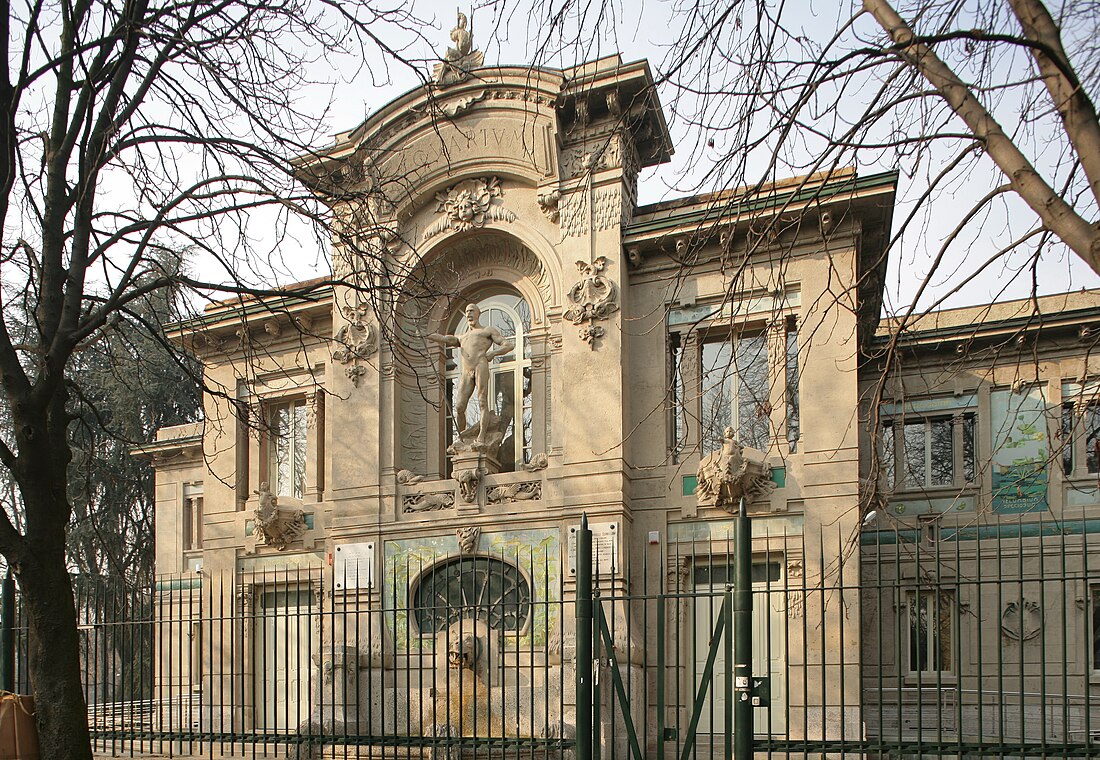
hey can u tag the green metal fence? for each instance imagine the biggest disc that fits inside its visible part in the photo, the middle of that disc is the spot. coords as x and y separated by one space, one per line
899 641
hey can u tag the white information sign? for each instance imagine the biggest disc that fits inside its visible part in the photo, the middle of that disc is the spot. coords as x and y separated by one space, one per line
353 566
605 548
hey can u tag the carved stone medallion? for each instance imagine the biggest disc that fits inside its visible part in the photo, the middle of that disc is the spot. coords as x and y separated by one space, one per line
469 204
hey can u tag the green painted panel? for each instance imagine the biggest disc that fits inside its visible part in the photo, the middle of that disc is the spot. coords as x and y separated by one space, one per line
889 537
932 506
1020 450
1021 530
691 482
779 476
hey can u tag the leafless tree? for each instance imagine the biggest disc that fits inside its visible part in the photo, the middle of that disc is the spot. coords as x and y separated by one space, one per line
129 129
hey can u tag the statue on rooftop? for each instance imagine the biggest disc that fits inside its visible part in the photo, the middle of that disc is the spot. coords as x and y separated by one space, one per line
460 59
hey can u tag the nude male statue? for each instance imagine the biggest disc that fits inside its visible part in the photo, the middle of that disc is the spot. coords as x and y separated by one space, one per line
475 351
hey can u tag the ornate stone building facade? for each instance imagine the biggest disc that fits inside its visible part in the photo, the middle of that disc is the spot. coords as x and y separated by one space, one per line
646 365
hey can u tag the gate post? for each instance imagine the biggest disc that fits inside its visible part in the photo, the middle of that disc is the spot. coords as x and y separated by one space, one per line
742 636
7 633
584 641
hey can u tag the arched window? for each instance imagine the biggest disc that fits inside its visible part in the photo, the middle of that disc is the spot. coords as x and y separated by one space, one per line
510 376
481 589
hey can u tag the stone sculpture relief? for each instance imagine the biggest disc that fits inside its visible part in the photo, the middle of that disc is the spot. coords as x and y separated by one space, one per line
726 475
468 537
460 59
538 462
453 107
427 502
356 339
505 494
277 527
469 204
478 346
548 199
408 477
592 297
796 599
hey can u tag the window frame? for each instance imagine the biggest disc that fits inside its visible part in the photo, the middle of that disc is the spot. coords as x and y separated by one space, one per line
192 517
1079 399
271 407
894 475
730 375
921 595
465 621
1094 631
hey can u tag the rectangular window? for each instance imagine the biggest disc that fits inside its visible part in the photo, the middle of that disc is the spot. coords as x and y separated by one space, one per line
794 428
929 452
1079 429
930 633
196 656
287 450
676 392
735 390
192 518
1096 628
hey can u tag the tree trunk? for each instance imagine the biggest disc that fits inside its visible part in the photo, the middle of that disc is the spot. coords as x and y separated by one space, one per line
54 660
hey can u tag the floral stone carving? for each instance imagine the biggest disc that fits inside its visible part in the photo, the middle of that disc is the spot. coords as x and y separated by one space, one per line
592 297
277 527
727 475
469 204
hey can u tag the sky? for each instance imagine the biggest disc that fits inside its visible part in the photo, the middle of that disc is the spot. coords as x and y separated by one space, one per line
517 34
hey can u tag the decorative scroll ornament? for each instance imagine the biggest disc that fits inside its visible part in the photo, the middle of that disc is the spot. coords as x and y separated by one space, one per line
277 527
468 537
460 59
592 297
469 204
727 475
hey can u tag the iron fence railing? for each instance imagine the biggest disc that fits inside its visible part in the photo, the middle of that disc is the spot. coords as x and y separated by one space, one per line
903 642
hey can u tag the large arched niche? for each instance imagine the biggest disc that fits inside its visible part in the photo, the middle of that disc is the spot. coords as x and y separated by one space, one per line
460 270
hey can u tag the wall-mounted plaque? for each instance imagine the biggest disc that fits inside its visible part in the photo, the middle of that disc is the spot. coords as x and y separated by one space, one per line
605 548
353 566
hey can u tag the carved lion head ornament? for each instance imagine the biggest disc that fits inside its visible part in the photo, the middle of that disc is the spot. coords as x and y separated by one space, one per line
463 650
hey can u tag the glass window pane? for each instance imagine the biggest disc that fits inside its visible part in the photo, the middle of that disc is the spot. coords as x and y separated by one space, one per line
969 461
793 421
942 453
918 633
716 387
1067 438
1096 628
753 388
504 400
930 621
299 449
889 462
913 439
1092 437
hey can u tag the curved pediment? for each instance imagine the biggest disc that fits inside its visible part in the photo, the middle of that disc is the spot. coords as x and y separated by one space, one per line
504 122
